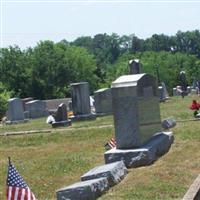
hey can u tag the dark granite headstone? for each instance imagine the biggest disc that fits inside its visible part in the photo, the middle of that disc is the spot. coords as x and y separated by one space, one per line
183 81
134 66
61 116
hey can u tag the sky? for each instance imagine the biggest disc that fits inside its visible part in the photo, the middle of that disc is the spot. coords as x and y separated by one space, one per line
26 22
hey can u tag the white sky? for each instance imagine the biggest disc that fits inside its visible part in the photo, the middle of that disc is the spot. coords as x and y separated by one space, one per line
26 23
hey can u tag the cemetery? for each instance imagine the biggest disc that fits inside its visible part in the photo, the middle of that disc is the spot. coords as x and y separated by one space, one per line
153 151
101 117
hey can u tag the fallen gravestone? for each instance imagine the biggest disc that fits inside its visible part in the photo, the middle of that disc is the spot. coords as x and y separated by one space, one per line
84 190
94 182
114 172
61 117
81 101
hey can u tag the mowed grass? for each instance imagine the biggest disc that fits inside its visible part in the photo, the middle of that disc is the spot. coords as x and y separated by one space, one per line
50 161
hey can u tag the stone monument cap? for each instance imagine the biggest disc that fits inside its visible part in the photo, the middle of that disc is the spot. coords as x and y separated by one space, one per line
127 80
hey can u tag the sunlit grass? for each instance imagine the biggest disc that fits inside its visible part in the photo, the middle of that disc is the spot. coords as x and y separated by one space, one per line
49 161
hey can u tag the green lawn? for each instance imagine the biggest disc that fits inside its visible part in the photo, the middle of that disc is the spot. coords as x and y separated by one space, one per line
50 161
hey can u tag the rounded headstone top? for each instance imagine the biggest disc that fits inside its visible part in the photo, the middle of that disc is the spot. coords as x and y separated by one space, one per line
134 60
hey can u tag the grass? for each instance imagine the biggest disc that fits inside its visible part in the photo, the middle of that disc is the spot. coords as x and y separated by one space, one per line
50 161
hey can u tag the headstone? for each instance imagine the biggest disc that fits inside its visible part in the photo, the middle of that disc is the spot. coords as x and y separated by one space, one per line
15 111
36 109
114 172
103 101
84 190
183 81
26 100
52 104
81 101
61 117
134 66
175 93
136 110
162 91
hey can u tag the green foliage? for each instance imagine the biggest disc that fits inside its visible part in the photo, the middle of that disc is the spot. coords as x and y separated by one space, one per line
47 70
4 96
168 65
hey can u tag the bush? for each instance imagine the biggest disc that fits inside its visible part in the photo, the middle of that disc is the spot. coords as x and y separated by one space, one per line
4 96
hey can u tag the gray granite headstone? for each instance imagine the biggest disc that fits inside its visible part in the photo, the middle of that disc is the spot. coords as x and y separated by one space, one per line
15 110
36 109
85 190
136 110
81 101
103 101
114 172
80 98
134 66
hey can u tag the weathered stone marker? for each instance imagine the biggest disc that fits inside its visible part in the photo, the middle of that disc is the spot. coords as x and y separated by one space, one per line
81 101
103 101
162 91
61 116
85 190
15 111
134 66
36 109
114 172
136 112
136 109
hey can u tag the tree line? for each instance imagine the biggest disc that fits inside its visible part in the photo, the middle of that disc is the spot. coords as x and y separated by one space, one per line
46 70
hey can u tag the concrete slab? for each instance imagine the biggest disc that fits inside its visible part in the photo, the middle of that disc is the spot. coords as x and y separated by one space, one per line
114 172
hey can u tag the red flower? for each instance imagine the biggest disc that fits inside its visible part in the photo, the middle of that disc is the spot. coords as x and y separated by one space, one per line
195 105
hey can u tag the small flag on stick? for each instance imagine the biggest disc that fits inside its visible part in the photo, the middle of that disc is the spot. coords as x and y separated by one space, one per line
111 143
17 189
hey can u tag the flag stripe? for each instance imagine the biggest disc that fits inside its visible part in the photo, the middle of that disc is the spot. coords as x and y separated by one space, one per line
112 143
13 193
23 194
16 193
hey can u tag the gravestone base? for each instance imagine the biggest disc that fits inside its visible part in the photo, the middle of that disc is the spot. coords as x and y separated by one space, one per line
16 122
84 190
61 123
158 145
83 117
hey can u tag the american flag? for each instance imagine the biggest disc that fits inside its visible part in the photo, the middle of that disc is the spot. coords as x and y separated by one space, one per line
17 189
111 143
